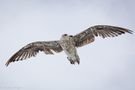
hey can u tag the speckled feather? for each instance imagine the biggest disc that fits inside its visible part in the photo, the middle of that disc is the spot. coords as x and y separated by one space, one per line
88 35
79 40
32 49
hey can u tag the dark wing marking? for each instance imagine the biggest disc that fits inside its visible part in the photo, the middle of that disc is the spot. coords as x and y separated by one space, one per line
32 49
104 31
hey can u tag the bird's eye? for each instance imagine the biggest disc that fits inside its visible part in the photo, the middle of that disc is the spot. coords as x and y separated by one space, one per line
65 34
71 36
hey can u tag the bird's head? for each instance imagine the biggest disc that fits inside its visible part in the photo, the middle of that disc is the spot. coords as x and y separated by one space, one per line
67 36
64 35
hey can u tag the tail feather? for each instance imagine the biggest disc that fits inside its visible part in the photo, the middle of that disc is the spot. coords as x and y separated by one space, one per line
72 61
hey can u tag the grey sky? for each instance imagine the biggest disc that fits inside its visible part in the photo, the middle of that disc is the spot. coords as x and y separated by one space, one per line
106 64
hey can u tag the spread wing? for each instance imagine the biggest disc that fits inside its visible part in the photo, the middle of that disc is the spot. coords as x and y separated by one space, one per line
32 49
104 31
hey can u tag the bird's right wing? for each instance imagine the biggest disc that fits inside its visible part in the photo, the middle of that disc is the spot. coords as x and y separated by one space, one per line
88 35
33 48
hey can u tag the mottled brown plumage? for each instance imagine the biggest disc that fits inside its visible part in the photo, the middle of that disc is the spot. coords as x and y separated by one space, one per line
32 49
68 43
88 35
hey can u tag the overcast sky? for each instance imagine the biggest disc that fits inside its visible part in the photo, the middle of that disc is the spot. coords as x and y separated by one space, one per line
106 64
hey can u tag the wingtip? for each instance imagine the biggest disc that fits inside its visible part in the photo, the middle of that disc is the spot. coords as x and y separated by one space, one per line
7 63
130 32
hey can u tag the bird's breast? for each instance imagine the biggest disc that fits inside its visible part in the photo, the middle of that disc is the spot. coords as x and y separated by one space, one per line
65 44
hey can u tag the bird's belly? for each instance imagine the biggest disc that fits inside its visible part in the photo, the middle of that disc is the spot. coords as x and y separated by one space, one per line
69 48
70 51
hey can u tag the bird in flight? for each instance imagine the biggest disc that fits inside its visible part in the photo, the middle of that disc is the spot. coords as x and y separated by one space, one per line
68 43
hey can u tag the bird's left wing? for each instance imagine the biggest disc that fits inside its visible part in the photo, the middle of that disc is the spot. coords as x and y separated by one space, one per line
88 35
32 49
